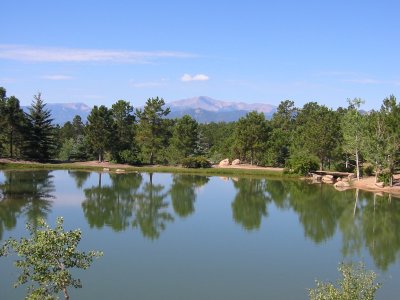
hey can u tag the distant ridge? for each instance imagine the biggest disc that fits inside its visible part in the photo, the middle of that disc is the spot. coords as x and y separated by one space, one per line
205 109
64 112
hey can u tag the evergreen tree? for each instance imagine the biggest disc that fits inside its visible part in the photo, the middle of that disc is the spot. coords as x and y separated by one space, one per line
151 127
317 132
100 130
184 138
251 136
283 124
124 148
40 131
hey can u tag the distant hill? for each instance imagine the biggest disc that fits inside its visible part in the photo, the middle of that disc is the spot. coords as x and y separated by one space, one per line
63 112
205 109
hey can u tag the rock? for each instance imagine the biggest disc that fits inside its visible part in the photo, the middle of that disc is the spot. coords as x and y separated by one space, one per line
350 177
236 162
342 184
224 163
339 179
380 184
328 179
316 177
106 169
119 171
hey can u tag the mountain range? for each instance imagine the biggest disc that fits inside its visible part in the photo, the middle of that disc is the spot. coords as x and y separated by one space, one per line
203 109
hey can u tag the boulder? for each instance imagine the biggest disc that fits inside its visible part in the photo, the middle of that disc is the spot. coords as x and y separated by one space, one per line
328 179
316 177
236 162
342 184
106 169
380 184
119 171
224 163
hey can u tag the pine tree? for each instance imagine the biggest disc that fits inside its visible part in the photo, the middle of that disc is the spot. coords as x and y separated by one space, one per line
100 130
40 143
151 127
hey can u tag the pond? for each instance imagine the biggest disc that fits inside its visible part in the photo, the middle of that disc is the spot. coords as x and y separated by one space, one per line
171 236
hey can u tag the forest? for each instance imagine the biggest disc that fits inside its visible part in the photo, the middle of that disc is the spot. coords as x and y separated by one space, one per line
298 139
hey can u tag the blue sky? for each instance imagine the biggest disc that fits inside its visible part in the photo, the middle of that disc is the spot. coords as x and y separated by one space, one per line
97 52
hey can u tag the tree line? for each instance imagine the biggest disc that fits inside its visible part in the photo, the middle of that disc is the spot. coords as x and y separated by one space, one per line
299 139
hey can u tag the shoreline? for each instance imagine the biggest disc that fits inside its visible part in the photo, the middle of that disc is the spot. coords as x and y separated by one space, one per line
366 183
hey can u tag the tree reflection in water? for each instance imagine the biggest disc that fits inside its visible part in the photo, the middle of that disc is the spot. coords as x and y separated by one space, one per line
183 192
126 202
27 193
250 203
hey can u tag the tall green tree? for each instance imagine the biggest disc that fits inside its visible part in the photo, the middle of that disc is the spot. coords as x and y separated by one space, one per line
383 141
282 128
251 136
40 135
317 132
151 131
12 122
100 130
353 129
184 138
124 148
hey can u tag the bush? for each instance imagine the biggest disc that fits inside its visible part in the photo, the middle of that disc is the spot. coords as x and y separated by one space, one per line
341 167
368 170
385 177
356 284
303 163
128 157
196 162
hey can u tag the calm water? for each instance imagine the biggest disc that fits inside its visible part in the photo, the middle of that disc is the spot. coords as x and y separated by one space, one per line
193 237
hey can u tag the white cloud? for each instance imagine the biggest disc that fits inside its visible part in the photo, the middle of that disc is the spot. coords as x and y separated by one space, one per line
197 77
57 77
49 54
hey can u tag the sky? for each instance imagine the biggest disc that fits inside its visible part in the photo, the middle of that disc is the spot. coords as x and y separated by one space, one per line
98 52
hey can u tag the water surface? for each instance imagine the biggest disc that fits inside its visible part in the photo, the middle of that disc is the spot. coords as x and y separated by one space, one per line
193 237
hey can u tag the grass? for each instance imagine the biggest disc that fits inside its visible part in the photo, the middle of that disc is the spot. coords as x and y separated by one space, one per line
146 169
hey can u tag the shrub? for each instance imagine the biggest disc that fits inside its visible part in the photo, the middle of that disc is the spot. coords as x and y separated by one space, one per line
196 162
356 284
369 170
385 177
128 157
303 163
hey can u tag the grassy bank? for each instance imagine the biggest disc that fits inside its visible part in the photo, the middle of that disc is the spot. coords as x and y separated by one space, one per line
147 169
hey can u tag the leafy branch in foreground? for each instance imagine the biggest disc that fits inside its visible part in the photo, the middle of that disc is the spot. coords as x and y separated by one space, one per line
356 284
46 259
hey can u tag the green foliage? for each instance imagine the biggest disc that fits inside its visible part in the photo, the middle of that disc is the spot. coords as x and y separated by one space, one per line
40 133
356 284
353 130
196 162
100 130
125 130
251 135
368 170
45 259
151 128
128 157
317 132
385 177
303 163
184 137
